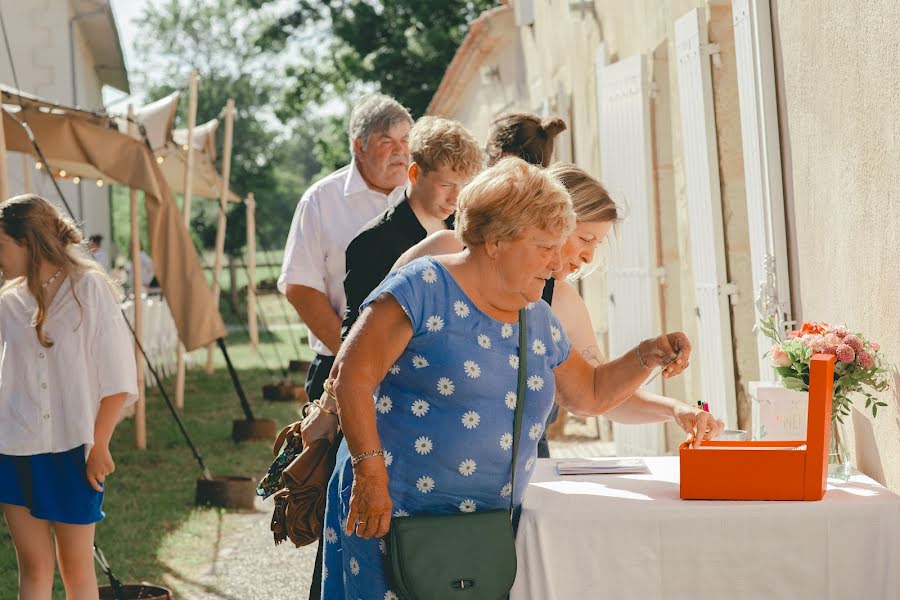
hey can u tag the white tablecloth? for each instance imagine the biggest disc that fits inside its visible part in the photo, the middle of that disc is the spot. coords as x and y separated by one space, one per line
631 537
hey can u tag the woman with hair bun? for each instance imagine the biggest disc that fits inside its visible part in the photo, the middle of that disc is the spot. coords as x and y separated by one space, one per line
525 135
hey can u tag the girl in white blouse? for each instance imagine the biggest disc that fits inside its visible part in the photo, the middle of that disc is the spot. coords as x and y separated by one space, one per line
66 371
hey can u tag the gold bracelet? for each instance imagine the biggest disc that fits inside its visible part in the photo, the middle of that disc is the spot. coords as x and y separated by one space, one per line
355 460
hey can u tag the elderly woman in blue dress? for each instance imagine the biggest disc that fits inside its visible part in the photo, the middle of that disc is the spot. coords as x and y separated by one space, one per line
436 348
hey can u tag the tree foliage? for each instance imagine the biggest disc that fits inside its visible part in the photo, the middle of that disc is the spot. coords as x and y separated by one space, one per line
214 38
401 47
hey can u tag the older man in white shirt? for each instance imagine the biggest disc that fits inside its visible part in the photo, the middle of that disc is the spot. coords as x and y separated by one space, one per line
328 217
331 213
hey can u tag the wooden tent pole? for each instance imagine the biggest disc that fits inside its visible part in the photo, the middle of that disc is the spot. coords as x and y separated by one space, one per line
252 325
27 186
4 171
140 412
223 204
186 211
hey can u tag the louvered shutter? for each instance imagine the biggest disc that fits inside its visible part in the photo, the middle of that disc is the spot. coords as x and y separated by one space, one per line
713 355
762 167
626 168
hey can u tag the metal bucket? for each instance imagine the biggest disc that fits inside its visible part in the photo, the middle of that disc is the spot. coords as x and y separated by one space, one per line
226 491
136 591
243 430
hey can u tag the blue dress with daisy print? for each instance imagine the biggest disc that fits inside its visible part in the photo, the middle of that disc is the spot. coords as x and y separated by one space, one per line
445 419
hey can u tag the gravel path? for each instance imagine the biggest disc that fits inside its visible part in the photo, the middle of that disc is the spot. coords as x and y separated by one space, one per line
248 566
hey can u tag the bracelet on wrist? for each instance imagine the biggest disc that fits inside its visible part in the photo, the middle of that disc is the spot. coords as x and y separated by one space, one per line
355 460
639 357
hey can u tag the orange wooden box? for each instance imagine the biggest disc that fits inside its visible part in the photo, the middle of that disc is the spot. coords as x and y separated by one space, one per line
749 471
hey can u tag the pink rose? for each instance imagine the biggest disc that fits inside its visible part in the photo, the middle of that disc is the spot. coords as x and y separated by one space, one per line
779 357
829 349
865 360
853 341
845 353
831 339
841 332
814 342
875 347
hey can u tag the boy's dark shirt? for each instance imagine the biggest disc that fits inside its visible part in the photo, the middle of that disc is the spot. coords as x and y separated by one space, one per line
374 251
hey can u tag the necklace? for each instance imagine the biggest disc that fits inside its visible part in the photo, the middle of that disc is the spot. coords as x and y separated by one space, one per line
52 279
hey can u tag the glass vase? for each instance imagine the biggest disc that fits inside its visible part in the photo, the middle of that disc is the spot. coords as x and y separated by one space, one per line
838 456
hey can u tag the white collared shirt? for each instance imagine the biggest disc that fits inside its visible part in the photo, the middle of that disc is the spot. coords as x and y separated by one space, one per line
328 217
50 397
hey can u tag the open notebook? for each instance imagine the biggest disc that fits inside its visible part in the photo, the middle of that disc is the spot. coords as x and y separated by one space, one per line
595 466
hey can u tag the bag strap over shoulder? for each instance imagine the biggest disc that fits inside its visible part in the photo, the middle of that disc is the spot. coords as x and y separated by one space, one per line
520 406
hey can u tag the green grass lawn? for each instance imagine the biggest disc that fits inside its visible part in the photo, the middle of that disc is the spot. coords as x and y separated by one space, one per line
150 514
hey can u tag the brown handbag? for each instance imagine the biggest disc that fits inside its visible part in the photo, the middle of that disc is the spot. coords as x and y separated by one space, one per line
300 503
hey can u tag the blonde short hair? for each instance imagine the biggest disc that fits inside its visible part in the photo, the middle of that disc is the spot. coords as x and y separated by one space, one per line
508 197
435 142
590 199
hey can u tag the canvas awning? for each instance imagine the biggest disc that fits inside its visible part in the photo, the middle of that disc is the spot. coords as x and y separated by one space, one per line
170 147
89 145
207 182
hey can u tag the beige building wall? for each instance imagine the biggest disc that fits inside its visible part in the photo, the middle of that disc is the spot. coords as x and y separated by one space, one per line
837 98
39 39
839 89
560 51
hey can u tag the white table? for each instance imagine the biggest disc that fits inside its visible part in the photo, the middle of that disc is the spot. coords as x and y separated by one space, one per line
631 537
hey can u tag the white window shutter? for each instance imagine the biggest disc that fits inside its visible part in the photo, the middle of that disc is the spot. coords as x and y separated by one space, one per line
762 167
524 12
563 142
712 348
626 168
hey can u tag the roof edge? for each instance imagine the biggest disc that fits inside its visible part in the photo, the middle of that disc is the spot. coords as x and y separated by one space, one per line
469 56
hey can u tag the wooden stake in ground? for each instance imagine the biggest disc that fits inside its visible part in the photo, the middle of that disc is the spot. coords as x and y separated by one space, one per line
186 211
4 172
220 228
26 174
251 271
140 412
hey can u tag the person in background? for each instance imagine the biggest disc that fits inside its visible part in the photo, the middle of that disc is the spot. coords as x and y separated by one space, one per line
66 373
445 158
148 278
95 247
525 135
328 217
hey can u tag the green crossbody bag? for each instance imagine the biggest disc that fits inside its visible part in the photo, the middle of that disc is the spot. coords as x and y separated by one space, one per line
468 556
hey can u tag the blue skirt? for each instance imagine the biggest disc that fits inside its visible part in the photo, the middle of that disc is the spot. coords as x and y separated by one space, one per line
53 486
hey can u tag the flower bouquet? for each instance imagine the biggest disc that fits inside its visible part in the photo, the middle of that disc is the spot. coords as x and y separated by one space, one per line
858 367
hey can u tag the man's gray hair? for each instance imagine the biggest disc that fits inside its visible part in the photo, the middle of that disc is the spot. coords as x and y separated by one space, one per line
375 113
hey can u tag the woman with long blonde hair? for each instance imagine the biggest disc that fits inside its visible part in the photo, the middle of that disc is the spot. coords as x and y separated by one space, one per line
66 371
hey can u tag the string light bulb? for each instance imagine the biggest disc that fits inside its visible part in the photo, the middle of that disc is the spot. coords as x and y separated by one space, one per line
76 180
159 160
62 173
99 183
38 164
